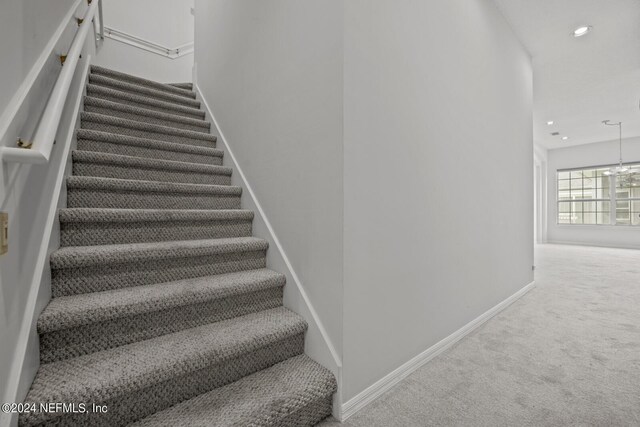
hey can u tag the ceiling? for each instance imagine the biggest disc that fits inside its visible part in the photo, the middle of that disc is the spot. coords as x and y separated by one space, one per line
579 82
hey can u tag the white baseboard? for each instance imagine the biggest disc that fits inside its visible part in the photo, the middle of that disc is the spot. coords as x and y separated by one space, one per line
388 381
318 345
597 245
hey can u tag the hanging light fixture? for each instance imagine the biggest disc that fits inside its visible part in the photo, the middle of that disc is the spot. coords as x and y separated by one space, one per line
620 169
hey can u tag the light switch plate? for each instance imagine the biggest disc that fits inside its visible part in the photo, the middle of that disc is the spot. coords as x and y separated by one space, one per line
4 233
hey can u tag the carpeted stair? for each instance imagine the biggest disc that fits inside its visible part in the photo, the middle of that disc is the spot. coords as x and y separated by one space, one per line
163 308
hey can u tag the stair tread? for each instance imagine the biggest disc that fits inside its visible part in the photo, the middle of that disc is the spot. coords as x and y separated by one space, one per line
118 75
132 185
147 127
98 91
81 309
101 376
261 398
147 163
83 256
183 85
76 215
96 135
125 108
145 91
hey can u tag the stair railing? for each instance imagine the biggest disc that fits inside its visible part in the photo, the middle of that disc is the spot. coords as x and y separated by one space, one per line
39 150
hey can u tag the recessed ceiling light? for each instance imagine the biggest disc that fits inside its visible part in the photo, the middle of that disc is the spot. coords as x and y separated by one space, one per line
582 30
550 122
564 138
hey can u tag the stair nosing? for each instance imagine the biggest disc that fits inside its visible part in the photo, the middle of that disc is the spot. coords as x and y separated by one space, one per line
126 253
140 99
223 400
145 112
119 75
108 82
107 215
110 159
72 311
96 135
133 185
146 127
134 367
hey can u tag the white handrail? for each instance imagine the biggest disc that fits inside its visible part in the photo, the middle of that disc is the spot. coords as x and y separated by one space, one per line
147 45
44 138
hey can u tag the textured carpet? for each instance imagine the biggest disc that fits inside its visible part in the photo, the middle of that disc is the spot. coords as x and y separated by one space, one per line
163 308
566 354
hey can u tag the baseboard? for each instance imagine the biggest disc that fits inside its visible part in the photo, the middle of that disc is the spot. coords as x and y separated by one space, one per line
387 382
318 345
597 245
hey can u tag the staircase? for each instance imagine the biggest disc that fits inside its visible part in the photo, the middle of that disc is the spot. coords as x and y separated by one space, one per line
162 306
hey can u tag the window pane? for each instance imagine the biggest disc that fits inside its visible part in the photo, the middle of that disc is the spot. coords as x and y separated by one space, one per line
564 213
584 196
576 183
589 206
589 183
604 218
589 218
603 206
576 218
589 193
563 184
576 174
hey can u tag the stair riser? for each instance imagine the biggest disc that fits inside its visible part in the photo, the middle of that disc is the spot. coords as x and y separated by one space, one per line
141 102
128 172
309 415
70 281
144 91
112 233
136 404
100 336
187 86
142 82
145 119
139 151
147 135
84 198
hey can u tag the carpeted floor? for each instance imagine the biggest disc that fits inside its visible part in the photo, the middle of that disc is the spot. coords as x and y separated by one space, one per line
566 354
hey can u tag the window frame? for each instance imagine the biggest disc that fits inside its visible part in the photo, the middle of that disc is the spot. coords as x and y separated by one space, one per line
612 200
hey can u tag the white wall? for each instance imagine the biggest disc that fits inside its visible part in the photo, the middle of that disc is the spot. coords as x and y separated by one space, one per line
29 193
413 117
168 23
272 74
25 28
596 154
438 189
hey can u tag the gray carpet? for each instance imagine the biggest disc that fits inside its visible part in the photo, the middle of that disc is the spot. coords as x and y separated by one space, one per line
163 308
566 354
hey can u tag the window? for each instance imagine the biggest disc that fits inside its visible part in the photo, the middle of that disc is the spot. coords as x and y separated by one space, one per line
585 197
628 197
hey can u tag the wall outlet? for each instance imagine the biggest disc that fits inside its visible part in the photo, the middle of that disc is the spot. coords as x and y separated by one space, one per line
4 233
